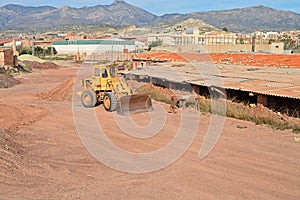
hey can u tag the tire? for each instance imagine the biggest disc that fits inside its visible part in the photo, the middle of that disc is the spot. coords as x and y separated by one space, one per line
88 99
110 102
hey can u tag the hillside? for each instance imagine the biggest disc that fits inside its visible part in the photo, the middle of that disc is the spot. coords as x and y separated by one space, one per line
243 19
251 18
120 13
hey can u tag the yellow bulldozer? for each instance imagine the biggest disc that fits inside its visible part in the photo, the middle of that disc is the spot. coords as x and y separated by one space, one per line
105 87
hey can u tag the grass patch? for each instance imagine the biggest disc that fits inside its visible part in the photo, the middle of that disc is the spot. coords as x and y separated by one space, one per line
296 130
58 58
157 93
256 114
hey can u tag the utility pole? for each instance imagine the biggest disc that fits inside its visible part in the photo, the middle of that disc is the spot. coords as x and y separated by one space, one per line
32 47
253 42
52 51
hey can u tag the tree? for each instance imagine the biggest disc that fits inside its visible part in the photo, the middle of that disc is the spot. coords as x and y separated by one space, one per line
155 43
48 51
39 51
242 41
271 41
24 50
225 29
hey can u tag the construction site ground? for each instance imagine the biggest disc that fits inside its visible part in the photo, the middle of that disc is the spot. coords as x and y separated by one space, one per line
42 156
259 60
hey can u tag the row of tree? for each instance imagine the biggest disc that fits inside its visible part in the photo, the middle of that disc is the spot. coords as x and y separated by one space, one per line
38 51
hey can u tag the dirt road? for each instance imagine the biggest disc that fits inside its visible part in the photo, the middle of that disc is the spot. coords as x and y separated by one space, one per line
42 156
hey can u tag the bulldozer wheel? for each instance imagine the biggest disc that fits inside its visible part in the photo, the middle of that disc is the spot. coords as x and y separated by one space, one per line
110 102
88 99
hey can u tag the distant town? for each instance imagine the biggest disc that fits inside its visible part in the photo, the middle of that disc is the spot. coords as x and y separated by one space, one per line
190 39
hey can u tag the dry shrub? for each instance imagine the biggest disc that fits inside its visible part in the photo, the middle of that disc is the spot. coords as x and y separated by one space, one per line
156 92
256 114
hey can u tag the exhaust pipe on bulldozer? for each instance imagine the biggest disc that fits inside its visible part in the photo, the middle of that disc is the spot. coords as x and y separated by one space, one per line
136 103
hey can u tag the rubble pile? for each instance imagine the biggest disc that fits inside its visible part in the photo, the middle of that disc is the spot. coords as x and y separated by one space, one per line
7 81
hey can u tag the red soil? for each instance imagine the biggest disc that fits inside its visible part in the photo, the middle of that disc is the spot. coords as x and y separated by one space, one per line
263 60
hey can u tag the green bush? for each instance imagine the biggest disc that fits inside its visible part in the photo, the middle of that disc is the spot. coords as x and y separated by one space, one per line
155 44
24 50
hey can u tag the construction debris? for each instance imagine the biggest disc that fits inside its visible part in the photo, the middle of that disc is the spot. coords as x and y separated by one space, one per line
7 81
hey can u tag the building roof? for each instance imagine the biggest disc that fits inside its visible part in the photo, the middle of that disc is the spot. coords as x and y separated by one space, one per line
272 81
93 42
2 49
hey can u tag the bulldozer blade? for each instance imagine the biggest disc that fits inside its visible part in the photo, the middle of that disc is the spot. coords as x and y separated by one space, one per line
136 103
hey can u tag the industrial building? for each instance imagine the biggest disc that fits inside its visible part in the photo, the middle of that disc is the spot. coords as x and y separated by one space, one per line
91 46
215 42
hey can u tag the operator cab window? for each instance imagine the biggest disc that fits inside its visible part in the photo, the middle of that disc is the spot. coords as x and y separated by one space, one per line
113 72
104 73
96 72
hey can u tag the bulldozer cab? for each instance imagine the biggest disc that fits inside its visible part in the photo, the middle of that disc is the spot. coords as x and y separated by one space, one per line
113 72
104 78
105 72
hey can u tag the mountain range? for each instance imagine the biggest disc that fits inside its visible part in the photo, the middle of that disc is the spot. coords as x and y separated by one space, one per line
249 19
120 13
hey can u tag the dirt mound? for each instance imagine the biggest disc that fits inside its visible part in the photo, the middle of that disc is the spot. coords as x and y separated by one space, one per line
39 65
7 82
62 92
30 58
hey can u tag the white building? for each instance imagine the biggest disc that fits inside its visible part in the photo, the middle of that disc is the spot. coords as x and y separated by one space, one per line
94 46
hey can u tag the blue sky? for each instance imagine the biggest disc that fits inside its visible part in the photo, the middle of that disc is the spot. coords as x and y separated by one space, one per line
160 7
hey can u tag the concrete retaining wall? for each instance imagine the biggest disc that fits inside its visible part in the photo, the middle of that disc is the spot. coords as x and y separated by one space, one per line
217 48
